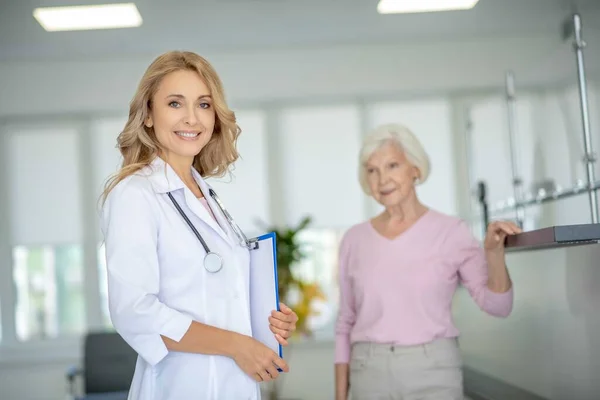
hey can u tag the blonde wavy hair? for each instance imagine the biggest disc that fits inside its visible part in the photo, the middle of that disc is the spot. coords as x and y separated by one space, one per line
138 143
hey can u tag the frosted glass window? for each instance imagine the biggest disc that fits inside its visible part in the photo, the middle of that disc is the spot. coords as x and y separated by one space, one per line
491 146
559 131
246 192
320 148
43 181
430 121
106 156
50 294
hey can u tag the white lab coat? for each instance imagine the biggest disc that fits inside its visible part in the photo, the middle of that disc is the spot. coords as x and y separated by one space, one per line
157 285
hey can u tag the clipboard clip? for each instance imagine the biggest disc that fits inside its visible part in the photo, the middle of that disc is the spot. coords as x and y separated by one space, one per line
253 244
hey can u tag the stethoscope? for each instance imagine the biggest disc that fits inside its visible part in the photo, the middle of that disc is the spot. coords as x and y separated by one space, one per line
213 262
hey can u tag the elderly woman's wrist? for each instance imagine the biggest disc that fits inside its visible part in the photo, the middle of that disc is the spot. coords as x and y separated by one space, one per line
499 286
495 257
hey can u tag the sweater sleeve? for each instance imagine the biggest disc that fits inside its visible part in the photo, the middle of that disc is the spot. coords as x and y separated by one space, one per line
347 313
473 273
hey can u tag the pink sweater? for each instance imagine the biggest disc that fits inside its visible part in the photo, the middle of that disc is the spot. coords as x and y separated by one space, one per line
400 291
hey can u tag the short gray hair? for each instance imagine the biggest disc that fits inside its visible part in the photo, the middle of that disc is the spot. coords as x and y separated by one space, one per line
401 136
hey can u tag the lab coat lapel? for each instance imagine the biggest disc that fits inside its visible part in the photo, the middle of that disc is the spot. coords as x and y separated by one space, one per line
215 208
197 208
165 180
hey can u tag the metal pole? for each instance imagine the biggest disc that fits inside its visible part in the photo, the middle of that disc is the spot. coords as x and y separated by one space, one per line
517 181
589 156
468 137
482 197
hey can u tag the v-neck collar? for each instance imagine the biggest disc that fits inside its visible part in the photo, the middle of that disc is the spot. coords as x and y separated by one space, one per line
403 234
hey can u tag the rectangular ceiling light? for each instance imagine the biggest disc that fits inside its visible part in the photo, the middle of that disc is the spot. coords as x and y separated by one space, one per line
76 18
419 6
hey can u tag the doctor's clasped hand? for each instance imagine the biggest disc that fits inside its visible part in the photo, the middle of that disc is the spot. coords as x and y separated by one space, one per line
283 323
260 362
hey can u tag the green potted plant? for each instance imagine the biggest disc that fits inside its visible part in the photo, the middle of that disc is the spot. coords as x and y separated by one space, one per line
289 252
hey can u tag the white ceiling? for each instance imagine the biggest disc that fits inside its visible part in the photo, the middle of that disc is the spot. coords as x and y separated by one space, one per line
242 25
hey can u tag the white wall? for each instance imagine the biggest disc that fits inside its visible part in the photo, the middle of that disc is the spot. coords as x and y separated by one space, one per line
307 74
550 345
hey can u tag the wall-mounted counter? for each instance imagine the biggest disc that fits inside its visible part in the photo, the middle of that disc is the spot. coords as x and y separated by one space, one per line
553 237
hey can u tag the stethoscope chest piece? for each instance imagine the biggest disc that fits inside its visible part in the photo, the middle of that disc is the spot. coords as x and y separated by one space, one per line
213 262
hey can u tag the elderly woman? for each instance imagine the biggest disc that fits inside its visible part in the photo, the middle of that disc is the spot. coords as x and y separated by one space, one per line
395 338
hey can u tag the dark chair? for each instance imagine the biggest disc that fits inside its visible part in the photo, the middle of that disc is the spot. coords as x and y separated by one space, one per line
108 366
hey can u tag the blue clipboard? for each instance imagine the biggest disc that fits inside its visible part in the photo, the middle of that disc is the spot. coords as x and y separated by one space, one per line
264 289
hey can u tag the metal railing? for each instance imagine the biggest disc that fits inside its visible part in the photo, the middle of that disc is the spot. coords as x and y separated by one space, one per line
521 199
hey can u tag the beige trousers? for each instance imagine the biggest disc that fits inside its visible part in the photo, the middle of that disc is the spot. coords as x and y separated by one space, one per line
431 371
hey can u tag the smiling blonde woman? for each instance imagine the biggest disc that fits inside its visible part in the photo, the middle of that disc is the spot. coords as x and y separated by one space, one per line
188 319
